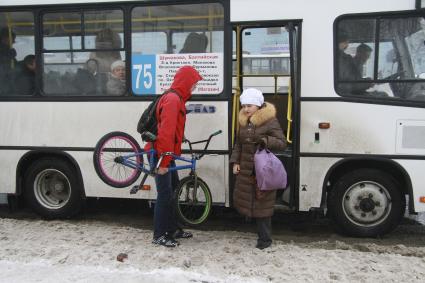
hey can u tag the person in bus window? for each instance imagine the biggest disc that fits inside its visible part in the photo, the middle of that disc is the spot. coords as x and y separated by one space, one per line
7 59
116 81
351 68
345 60
88 80
106 39
24 82
171 119
258 128
361 57
195 43
363 53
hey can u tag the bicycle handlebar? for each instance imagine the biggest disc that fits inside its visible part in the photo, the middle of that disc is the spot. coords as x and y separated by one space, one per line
217 133
207 142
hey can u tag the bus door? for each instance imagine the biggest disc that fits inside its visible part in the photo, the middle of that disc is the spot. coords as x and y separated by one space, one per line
265 56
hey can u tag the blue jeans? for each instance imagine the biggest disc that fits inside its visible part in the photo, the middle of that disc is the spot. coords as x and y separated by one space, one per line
164 218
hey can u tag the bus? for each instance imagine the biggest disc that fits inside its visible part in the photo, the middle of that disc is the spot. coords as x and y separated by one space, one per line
348 84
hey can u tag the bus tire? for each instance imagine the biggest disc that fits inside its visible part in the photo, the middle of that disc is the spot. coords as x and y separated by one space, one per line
52 189
366 203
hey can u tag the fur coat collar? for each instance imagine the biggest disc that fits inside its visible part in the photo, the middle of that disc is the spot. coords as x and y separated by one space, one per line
261 116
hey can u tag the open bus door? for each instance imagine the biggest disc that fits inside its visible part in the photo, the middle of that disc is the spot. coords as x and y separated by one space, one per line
265 56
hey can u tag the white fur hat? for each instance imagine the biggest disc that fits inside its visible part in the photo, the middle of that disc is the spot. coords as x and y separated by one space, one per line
252 96
117 64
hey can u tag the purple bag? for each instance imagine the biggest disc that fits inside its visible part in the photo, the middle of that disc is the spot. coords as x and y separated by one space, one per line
269 171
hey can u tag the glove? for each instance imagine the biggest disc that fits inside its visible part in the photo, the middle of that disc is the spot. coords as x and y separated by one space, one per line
261 143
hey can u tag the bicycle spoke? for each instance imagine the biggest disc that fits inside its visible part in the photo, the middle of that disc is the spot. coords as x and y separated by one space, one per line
113 155
193 203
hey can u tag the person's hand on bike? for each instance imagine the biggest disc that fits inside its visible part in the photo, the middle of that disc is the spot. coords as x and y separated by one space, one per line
236 168
162 170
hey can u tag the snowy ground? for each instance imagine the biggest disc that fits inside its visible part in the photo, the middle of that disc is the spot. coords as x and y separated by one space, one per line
85 250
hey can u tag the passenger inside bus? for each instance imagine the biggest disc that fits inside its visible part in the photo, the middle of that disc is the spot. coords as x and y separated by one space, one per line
195 43
362 55
24 76
351 68
85 80
345 60
106 39
7 59
116 81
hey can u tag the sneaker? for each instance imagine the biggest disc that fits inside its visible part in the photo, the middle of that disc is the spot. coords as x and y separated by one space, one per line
165 241
180 234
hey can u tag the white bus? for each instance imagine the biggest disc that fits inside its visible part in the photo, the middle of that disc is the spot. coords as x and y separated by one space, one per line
356 143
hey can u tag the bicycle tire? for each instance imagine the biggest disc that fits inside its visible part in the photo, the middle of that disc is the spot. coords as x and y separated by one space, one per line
110 147
193 208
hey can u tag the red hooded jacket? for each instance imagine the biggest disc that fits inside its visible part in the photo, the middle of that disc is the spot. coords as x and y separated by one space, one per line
171 113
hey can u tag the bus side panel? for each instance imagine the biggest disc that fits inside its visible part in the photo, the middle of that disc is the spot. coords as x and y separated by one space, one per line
83 123
355 128
359 128
313 171
212 169
415 168
76 127
8 164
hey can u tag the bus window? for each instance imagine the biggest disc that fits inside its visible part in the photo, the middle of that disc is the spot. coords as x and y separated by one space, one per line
198 42
195 32
400 70
79 49
70 25
356 54
17 61
149 42
266 53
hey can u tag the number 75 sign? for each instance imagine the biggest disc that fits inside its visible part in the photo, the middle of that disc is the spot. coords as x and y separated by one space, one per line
154 73
143 74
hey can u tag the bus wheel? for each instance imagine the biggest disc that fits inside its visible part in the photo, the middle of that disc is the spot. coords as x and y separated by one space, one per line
52 189
366 203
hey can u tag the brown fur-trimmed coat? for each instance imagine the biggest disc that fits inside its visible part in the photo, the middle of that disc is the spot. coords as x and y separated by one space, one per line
262 125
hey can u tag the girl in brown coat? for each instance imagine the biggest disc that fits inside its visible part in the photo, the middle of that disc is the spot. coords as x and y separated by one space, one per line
258 127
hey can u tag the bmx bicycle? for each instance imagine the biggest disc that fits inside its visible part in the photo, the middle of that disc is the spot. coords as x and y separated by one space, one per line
119 160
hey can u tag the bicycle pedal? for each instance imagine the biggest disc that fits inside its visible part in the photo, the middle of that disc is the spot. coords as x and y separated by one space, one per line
134 190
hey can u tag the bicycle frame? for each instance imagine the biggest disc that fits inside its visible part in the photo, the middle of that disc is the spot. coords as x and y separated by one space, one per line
126 160
151 154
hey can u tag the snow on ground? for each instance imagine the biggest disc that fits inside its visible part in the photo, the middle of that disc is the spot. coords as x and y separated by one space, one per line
81 251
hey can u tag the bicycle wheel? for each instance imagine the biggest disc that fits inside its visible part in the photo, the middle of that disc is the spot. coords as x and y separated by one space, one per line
193 205
110 152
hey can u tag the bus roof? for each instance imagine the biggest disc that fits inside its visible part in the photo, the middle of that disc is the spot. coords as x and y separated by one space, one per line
289 7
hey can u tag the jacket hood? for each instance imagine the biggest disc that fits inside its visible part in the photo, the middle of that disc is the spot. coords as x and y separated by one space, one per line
262 115
184 79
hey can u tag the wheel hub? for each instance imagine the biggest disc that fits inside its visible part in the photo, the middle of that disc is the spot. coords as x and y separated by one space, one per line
52 189
366 203
119 159
59 187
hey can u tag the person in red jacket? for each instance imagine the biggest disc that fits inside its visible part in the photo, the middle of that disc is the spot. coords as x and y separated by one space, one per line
171 118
